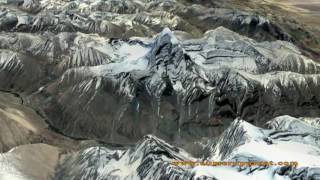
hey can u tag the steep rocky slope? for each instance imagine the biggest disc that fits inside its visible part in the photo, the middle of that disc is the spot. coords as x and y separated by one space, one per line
91 79
153 158
170 85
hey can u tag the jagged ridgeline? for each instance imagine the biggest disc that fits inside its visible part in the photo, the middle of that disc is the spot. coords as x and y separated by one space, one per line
287 139
176 87
180 85
90 80
151 158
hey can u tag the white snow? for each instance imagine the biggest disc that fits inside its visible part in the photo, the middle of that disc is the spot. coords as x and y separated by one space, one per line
127 58
122 168
281 151
167 31
230 173
132 52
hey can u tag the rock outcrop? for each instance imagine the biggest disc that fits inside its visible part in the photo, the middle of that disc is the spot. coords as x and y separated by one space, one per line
106 87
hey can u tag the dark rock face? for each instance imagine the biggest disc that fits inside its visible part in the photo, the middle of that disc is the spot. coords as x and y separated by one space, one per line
148 159
121 89
152 158
115 71
171 85
176 87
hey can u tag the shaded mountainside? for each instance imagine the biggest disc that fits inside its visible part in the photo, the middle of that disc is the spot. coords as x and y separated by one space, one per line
172 86
110 87
152 158
84 83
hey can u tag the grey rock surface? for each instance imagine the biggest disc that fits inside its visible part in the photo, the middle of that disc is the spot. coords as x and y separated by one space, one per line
152 158
119 90
108 85
124 81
